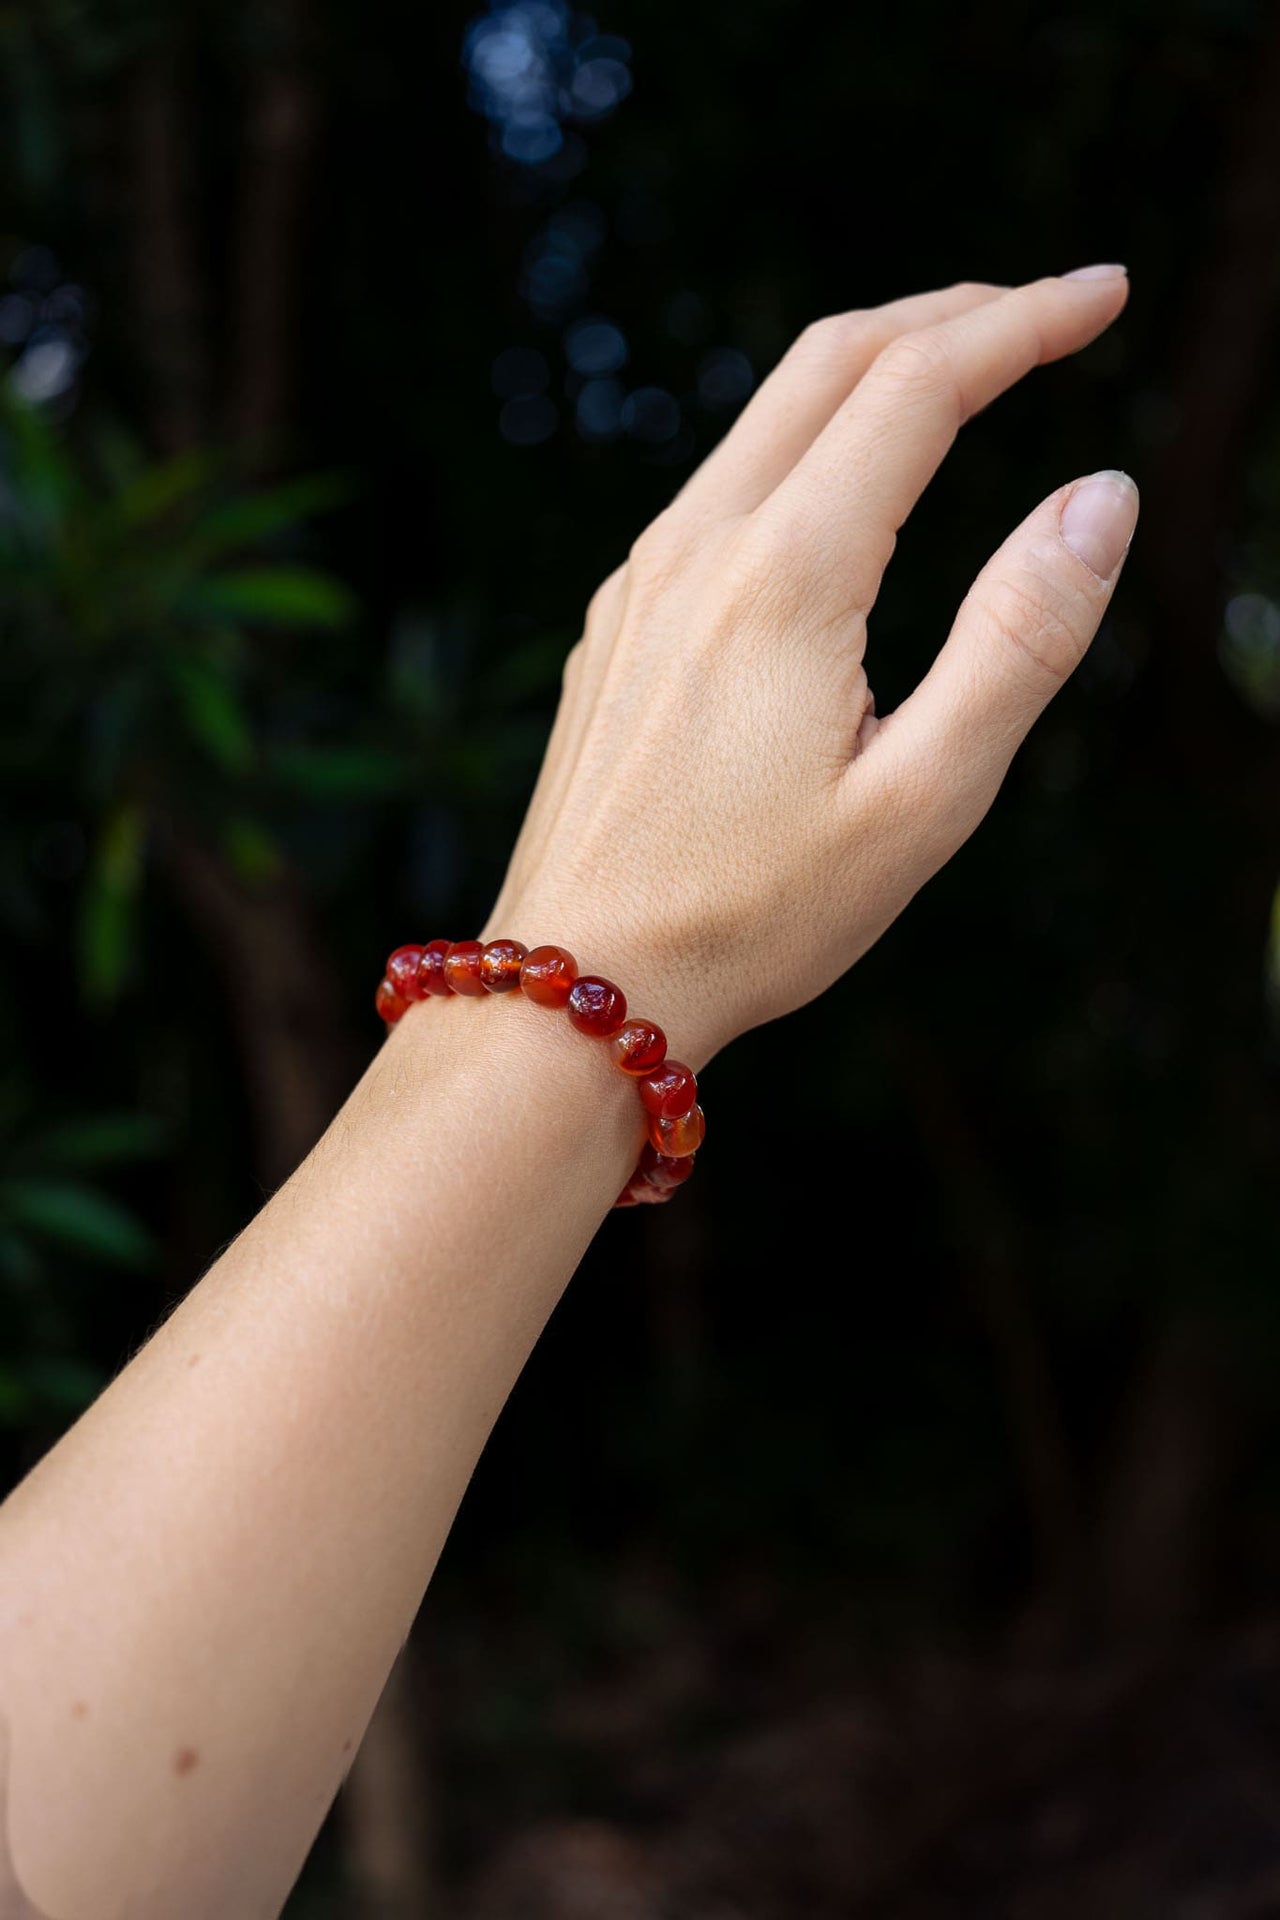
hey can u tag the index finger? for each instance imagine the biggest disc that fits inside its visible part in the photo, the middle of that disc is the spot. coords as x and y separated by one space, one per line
837 513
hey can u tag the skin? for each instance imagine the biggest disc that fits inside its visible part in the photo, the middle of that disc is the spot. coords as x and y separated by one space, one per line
204 1584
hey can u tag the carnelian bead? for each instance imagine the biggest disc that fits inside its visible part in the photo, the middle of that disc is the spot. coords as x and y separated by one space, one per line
639 1047
500 965
389 1004
431 967
462 967
670 1092
662 1171
629 1197
596 1006
678 1134
547 976
402 972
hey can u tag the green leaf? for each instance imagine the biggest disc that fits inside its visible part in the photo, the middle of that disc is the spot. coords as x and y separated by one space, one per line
79 1217
211 712
256 517
110 903
104 1140
341 773
15 1398
160 488
45 483
251 850
271 596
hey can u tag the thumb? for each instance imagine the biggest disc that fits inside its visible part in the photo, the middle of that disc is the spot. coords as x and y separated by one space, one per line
1024 626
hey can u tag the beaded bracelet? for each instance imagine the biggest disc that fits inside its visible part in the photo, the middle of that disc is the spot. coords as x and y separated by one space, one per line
549 977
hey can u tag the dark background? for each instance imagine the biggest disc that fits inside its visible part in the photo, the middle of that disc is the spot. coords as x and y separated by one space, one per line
888 1527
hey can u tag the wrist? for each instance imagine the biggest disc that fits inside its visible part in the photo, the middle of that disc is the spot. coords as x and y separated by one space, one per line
518 1088
661 982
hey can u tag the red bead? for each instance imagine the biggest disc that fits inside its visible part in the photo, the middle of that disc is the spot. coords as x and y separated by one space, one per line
629 1197
431 967
500 965
638 1047
669 1092
402 972
664 1172
462 967
389 1004
596 1006
547 976
678 1134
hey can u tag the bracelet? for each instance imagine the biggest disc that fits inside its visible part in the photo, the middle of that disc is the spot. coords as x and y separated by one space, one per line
549 977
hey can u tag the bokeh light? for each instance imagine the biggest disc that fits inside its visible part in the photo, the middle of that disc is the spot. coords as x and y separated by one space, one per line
651 415
537 66
44 320
725 378
595 346
598 413
1250 649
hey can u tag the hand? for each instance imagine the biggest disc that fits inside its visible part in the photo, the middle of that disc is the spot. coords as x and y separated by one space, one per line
722 822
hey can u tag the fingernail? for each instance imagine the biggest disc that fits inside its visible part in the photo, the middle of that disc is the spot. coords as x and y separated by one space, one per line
1098 520
1107 271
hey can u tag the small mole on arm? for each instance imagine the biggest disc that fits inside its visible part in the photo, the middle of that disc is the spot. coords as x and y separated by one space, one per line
194 1360
185 1759
346 1746
79 1708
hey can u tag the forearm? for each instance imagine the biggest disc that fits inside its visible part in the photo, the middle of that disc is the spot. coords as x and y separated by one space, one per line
207 1580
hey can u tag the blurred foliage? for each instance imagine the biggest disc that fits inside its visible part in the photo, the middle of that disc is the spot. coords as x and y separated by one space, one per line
1023 1161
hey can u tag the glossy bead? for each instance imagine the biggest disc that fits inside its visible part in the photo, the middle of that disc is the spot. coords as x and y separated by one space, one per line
500 965
664 1172
402 972
431 967
389 1004
629 1197
638 1047
547 976
678 1134
462 968
669 1092
596 1006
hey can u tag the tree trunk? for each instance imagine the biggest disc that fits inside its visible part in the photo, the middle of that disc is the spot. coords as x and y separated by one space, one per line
168 264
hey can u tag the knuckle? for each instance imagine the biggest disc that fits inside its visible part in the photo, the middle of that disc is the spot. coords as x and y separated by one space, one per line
605 603
834 339
571 671
754 579
1040 628
917 363
659 554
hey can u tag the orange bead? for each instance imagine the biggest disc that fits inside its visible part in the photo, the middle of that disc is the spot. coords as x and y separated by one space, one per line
638 1047
389 1004
669 1092
402 972
547 976
431 967
500 965
664 1172
678 1134
596 1006
462 968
